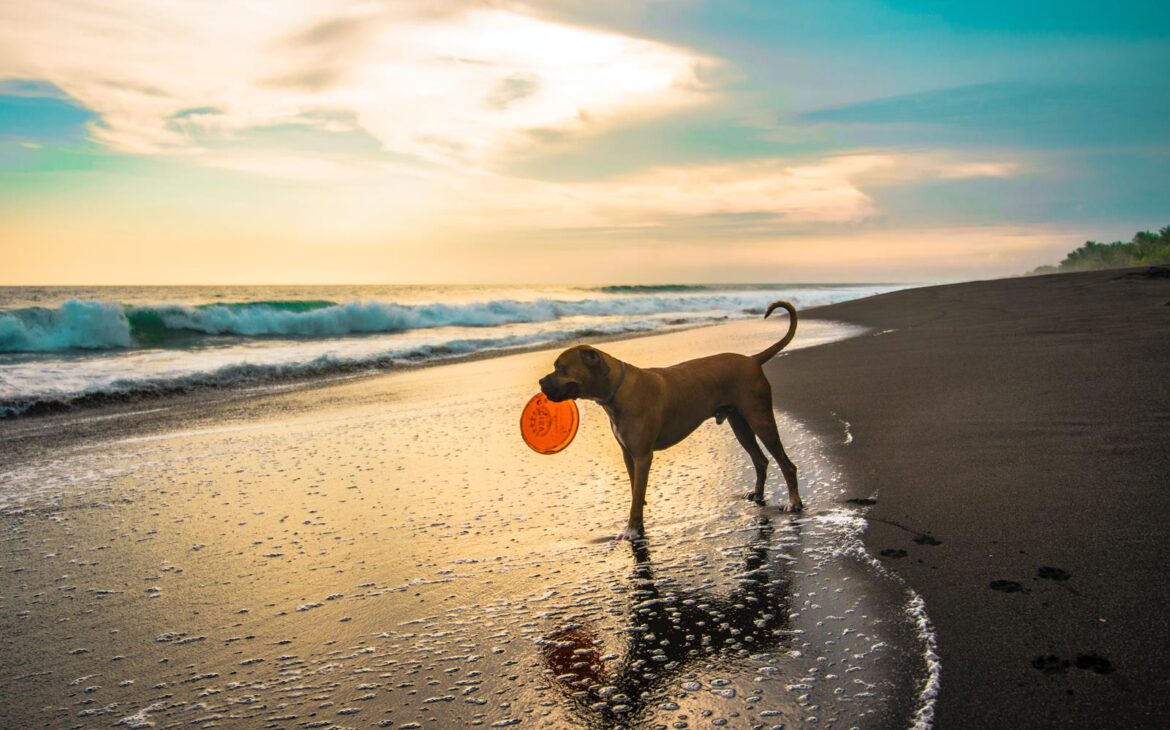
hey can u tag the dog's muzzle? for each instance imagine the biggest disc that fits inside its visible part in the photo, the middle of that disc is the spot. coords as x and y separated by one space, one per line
557 391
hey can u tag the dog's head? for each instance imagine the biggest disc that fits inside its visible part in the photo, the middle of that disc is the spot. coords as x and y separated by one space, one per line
579 372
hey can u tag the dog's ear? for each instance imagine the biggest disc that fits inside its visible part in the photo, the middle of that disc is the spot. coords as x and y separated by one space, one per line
594 361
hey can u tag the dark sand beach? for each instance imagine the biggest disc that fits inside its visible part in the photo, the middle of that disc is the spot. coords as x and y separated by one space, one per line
384 551
1015 436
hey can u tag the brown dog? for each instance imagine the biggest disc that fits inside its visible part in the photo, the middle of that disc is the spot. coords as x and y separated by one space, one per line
654 408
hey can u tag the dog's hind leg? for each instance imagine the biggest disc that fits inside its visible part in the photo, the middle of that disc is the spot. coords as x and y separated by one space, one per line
763 423
747 439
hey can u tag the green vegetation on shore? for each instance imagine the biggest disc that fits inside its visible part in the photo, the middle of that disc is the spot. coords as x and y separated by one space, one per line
1146 249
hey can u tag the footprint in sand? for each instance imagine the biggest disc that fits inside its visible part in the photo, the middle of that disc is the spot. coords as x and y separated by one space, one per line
893 553
1006 586
1051 573
927 539
1094 663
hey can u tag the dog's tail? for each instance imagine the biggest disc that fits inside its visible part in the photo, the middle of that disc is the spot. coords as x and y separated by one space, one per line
770 353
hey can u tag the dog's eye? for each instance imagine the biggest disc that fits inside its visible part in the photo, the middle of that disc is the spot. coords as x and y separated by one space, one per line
559 368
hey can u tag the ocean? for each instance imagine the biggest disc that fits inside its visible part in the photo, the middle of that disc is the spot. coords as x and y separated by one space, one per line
63 347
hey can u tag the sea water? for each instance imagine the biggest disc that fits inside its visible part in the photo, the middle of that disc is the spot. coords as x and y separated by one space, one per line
64 346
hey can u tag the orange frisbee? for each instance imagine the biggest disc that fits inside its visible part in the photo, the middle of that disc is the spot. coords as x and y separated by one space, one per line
548 427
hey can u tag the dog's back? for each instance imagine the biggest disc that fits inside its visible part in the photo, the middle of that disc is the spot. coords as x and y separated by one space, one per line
698 389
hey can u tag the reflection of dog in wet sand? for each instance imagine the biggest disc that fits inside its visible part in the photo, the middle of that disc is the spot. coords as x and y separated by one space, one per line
651 409
673 631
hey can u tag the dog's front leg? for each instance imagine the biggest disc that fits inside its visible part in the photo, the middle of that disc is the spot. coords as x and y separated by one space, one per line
629 463
639 475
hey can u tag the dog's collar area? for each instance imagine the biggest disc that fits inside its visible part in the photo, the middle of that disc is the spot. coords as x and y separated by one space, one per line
621 378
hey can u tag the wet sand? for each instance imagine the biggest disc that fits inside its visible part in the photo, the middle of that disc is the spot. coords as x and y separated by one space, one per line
385 552
1014 438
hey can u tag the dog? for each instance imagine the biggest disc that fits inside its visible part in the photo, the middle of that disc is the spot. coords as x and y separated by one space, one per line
651 409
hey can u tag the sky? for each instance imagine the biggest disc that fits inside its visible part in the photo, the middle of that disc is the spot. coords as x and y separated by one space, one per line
574 141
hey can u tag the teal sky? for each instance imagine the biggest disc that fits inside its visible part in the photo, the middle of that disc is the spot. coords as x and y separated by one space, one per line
575 142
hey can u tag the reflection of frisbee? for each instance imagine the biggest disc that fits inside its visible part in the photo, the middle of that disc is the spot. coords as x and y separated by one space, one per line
548 427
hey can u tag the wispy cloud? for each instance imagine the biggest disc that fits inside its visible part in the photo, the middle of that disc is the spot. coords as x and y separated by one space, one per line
1033 115
760 196
457 83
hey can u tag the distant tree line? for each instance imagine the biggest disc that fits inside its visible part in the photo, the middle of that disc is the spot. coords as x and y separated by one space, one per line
1146 249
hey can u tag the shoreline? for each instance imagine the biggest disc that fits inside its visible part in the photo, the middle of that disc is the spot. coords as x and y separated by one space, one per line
1007 441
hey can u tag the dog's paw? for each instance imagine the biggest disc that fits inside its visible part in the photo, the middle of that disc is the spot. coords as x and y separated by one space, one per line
793 508
629 533
753 497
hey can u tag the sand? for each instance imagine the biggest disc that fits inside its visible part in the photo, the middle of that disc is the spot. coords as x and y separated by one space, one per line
1015 435
385 552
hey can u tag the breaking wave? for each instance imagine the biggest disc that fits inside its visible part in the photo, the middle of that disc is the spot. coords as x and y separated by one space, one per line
74 325
116 387
98 325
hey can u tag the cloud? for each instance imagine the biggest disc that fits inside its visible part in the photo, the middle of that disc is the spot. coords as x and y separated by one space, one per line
1028 115
961 170
457 83
751 197
959 105
285 166
512 89
824 191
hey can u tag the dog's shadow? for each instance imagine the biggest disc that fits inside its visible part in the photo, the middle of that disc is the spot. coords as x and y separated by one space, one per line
671 629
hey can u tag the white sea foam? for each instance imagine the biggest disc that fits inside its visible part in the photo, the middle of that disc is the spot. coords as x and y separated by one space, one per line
853 526
928 695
